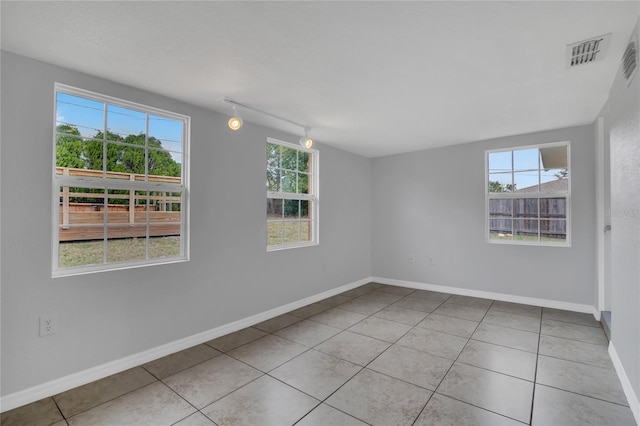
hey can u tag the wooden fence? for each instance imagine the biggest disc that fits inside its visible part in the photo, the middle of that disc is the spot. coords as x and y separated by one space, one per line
82 213
521 216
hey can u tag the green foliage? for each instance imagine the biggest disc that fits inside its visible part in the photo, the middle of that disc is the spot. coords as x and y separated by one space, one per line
288 171
69 148
562 174
72 152
495 186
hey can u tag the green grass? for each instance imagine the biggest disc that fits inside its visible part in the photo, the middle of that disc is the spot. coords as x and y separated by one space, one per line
294 232
509 237
81 253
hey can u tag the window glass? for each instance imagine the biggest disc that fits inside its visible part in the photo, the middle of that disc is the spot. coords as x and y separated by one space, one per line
291 173
528 195
120 171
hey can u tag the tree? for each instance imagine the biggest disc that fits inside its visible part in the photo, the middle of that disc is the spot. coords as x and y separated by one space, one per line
161 162
495 186
94 152
287 171
273 167
69 148
562 174
72 152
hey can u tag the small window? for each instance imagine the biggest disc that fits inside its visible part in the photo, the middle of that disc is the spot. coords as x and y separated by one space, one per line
120 188
292 195
528 195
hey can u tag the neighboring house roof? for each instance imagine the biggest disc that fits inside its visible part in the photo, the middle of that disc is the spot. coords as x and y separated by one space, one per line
557 185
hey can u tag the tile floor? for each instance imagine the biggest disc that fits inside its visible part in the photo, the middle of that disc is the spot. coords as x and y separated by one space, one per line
378 355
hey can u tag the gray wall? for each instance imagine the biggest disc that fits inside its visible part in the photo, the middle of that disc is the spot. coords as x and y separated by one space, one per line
430 204
623 120
105 316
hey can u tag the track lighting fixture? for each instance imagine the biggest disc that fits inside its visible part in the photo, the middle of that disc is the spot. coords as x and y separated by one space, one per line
235 122
306 141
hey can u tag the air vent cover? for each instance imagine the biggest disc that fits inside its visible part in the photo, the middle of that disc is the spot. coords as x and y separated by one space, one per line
630 60
587 51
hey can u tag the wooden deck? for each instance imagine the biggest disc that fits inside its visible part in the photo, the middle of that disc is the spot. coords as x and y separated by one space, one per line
127 213
92 225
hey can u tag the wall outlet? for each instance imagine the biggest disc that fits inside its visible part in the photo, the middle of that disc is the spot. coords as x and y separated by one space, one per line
48 325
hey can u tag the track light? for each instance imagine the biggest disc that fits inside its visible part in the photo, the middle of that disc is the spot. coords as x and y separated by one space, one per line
306 141
235 122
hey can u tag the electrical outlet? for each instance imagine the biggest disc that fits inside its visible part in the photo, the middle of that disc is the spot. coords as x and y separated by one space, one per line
48 325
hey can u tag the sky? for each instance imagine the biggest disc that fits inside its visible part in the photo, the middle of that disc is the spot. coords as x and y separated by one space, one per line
88 116
526 166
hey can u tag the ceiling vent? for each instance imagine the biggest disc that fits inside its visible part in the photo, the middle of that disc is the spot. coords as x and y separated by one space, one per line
630 60
587 51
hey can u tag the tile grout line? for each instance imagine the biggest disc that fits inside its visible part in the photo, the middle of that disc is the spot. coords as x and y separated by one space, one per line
445 374
112 399
448 369
577 362
583 395
59 410
361 367
263 373
365 366
391 344
307 350
535 373
243 362
412 327
187 401
323 401
456 360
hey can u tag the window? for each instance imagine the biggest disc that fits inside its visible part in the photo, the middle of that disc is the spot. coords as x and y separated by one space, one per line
528 195
292 195
120 184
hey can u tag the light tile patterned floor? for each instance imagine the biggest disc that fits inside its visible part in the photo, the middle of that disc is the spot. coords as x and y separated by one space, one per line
377 355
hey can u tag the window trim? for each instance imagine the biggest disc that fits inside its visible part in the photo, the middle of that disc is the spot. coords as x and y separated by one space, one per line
313 197
58 181
538 195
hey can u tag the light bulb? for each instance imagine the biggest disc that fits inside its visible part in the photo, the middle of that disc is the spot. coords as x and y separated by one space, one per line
307 142
234 123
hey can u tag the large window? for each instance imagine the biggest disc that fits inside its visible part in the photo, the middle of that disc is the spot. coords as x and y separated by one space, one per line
120 184
528 195
292 195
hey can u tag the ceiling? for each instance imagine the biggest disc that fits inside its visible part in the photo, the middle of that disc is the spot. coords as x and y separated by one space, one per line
373 78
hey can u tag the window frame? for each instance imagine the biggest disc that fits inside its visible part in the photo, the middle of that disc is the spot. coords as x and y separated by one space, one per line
148 185
528 195
312 197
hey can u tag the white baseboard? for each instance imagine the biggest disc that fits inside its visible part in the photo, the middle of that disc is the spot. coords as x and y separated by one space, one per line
575 307
632 398
89 375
